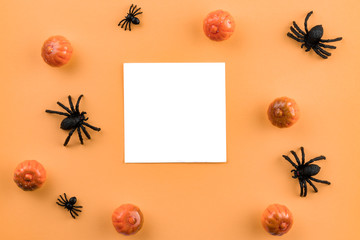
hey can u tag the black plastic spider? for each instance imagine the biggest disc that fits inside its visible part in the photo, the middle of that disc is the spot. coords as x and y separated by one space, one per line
74 120
69 205
304 171
130 17
312 39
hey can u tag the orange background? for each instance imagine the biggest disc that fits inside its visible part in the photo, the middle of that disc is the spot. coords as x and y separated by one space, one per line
180 201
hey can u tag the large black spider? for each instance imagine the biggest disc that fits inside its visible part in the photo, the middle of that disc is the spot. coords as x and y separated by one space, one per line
130 17
312 39
75 120
304 171
69 205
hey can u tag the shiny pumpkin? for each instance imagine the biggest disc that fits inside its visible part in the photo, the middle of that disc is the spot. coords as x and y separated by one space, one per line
283 112
127 219
219 25
29 175
56 51
277 219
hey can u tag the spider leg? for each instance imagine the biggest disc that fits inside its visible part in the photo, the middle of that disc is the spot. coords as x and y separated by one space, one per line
305 188
326 46
137 14
299 29
66 108
80 137
72 215
132 11
77 207
63 205
69 136
121 21
71 104
302 156
66 197
306 20
131 8
331 40
308 49
78 210
301 188
72 210
63 198
320 181
289 160
129 26
56 112
122 25
313 186
136 10
126 25
296 157
316 159
295 38
296 33
86 132
323 51
320 54
92 127
61 201
77 103
302 45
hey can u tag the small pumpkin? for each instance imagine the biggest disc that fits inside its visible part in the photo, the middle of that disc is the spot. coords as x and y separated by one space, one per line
283 112
277 219
29 175
127 219
56 51
219 25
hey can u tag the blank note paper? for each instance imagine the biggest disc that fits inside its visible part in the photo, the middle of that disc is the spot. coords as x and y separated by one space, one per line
174 112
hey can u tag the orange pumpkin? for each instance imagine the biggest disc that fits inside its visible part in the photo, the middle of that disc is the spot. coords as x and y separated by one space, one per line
219 25
127 219
283 112
56 51
29 175
277 219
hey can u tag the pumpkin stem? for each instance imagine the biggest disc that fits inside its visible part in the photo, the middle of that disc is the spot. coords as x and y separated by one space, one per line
132 220
28 177
283 226
213 29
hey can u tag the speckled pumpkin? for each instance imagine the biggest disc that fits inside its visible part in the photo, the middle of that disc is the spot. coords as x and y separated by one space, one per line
277 219
283 112
29 175
127 219
219 25
56 51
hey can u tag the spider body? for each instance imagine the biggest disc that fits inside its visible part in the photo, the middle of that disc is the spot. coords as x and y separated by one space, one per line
72 121
75 120
312 39
305 171
69 205
130 18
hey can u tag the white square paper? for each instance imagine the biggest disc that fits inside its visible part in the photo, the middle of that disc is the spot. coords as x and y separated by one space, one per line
174 112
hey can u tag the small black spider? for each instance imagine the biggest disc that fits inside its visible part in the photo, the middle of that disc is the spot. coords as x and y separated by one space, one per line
130 17
312 39
69 205
304 171
74 120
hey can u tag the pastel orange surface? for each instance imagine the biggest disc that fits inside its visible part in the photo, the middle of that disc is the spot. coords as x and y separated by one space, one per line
180 201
